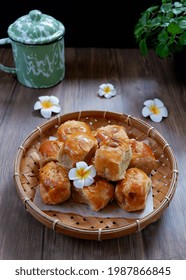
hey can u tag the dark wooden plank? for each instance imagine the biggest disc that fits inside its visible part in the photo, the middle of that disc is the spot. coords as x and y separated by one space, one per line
136 79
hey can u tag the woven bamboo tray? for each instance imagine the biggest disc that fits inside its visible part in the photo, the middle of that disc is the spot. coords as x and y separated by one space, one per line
164 178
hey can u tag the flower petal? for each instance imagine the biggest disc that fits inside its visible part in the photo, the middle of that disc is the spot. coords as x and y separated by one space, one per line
72 174
100 92
110 86
113 92
46 113
146 112
37 105
156 117
54 99
158 103
52 138
108 95
81 164
88 181
92 171
79 183
44 98
164 112
148 103
55 108
102 86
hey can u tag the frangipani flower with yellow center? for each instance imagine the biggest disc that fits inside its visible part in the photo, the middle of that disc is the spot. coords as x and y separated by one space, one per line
106 90
47 105
154 109
82 175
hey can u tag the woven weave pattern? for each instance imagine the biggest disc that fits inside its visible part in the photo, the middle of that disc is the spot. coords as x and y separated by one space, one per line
164 178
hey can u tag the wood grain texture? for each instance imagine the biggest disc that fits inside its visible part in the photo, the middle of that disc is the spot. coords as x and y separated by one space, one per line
136 79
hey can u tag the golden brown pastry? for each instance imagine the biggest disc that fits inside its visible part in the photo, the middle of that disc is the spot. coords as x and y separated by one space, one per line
97 195
50 150
79 146
142 156
55 186
69 127
131 192
112 159
113 132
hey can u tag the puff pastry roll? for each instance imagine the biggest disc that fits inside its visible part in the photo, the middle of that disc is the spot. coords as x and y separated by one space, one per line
78 147
50 150
112 159
97 195
142 156
131 192
112 132
69 127
55 186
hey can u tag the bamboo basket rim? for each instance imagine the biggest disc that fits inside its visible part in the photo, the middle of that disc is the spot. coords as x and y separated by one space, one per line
98 233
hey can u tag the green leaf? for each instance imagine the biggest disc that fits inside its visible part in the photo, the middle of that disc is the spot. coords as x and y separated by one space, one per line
177 11
143 19
182 24
162 27
182 39
154 22
167 19
171 40
162 50
165 8
163 36
177 4
143 47
152 9
173 28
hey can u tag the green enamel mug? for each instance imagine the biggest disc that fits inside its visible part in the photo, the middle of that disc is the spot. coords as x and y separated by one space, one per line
37 42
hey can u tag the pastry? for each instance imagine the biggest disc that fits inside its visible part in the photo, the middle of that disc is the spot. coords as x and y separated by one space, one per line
79 146
131 192
112 159
55 186
142 156
50 150
69 127
97 195
113 132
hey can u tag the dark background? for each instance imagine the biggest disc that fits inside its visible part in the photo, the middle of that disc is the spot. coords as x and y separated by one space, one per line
87 23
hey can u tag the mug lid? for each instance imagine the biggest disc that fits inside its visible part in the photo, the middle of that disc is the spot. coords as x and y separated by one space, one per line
36 28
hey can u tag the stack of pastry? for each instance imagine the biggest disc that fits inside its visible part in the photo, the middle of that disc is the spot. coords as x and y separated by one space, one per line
122 166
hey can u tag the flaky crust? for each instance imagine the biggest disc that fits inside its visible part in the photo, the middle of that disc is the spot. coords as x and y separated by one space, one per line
131 192
142 156
97 195
78 147
69 127
112 132
112 159
55 186
50 150
121 164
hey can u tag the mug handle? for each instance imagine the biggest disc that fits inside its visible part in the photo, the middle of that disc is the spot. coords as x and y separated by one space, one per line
2 67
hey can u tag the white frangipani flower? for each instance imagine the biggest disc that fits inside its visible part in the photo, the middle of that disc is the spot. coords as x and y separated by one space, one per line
47 105
106 90
52 138
154 109
82 175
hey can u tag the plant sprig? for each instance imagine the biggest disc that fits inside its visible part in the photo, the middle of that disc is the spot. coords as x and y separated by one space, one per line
163 28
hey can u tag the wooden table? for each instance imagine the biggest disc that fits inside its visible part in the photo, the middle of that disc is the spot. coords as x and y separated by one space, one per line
136 79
